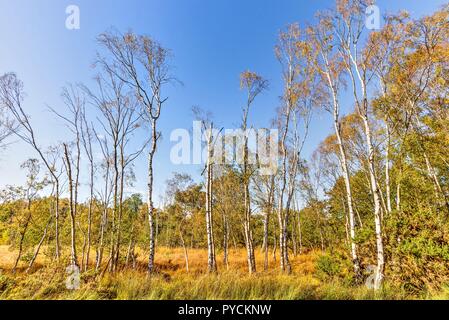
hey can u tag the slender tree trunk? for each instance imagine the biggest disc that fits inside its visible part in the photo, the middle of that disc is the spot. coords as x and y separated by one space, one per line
247 198
128 252
387 169
437 186
151 217
281 235
266 222
36 253
186 256
120 209
377 204
104 215
211 262
84 246
362 107
57 245
348 241
112 261
398 191
75 187
299 228
344 167
133 255
321 239
294 240
285 242
131 242
89 217
349 200
247 229
225 241
281 213
73 257
22 237
103 225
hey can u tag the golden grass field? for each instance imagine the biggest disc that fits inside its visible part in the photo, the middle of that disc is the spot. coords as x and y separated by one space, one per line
171 261
47 280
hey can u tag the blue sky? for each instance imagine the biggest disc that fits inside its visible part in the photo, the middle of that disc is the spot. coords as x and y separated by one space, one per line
212 42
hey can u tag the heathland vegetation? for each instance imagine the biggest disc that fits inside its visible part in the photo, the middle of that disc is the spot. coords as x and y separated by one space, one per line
366 216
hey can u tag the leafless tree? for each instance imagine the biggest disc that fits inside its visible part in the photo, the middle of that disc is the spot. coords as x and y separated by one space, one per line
120 119
105 196
265 192
142 64
254 85
11 97
68 166
7 125
87 138
75 103
301 94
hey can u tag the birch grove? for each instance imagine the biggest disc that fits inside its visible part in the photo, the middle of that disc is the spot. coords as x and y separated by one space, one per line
366 205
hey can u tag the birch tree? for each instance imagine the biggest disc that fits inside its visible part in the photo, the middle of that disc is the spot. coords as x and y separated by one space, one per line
330 67
301 94
7 125
87 137
265 189
29 193
11 98
69 169
104 195
142 64
74 102
121 119
254 85
211 138
348 27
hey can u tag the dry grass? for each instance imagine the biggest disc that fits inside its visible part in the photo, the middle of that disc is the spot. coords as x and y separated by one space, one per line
47 280
7 257
171 261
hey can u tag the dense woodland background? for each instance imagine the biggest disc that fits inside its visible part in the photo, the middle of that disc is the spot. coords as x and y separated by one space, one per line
370 207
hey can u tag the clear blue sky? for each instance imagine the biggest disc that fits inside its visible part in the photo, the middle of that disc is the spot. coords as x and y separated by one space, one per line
212 42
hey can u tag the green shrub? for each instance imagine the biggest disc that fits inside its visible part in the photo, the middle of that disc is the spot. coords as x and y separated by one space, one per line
6 282
327 266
